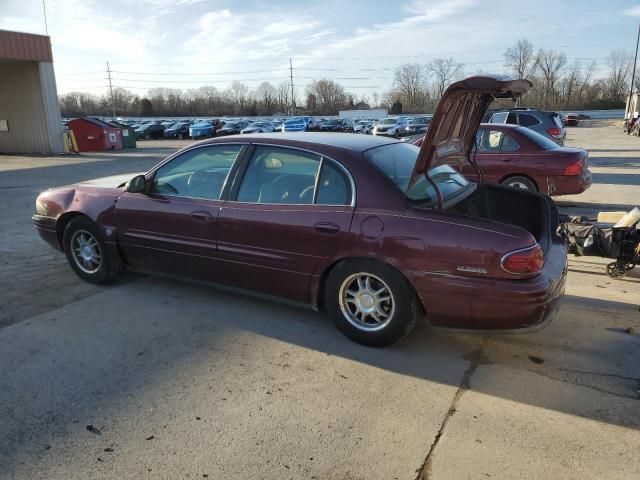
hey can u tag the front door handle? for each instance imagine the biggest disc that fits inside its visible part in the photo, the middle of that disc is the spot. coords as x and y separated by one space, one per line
507 160
327 227
201 216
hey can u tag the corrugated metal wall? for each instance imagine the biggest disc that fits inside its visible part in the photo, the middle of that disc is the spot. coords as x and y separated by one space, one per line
28 102
25 46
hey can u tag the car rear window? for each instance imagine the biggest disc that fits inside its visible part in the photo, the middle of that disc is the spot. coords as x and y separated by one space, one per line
397 160
527 120
540 140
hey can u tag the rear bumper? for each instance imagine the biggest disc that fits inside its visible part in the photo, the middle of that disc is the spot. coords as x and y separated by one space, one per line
494 305
568 185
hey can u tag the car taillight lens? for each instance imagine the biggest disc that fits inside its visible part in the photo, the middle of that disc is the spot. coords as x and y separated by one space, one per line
526 261
554 132
574 168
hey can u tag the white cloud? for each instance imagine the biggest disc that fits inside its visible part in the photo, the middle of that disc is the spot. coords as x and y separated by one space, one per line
633 11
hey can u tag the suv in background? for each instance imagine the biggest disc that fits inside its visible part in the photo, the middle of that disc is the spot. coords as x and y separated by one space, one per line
392 126
545 123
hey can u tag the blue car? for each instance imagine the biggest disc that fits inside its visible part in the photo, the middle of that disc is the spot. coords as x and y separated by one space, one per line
298 124
201 129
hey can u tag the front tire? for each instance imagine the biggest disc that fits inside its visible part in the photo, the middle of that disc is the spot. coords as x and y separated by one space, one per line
370 302
87 253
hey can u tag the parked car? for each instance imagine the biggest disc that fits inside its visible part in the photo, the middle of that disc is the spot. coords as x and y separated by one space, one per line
258 127
362 126
546 123
334 125
297 124
201 129
148 131
178 130
231 128
518 157
391 126
277 126
572 119
417 125
582 116
374 231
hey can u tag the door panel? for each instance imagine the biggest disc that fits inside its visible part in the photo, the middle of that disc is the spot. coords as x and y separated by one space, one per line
276 248
171 228
168 234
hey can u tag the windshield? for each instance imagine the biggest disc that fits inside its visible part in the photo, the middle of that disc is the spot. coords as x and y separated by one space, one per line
397 160
388 121
540 140
332 122
419 121
255 125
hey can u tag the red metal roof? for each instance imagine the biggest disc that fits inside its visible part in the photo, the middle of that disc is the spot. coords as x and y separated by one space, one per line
25 46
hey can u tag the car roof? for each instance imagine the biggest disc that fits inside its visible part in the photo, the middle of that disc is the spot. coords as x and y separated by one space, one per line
347 141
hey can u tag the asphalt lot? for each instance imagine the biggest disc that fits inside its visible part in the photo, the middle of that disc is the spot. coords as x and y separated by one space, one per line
177 380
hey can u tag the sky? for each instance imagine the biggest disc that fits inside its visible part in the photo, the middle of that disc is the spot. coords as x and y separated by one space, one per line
189 43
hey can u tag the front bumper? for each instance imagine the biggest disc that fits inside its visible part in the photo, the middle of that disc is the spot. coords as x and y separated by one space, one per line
46 228
494 305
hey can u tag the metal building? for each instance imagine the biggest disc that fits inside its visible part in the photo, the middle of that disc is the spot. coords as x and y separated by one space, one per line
30 119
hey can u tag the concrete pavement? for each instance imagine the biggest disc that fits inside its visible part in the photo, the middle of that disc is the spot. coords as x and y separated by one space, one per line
177 380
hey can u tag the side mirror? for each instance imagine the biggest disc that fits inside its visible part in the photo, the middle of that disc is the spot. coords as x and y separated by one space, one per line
137 184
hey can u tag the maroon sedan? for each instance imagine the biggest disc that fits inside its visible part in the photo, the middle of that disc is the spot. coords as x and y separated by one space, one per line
518 157
375 231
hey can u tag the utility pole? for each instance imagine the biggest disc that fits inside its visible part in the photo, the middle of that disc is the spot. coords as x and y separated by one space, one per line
293 103
113 105
633 76
44 11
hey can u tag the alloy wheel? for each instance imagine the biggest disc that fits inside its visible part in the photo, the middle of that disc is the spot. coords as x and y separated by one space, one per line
366 302
86 252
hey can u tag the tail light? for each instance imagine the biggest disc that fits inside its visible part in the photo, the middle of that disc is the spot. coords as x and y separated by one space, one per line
526 261
574 168
554 132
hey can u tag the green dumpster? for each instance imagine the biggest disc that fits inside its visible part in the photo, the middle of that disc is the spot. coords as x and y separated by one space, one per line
128 134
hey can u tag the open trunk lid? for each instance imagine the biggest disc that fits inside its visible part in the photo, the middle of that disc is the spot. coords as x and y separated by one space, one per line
451 133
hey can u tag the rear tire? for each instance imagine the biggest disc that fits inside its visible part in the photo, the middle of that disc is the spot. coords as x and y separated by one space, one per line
180 136
87 253
520 182
370 302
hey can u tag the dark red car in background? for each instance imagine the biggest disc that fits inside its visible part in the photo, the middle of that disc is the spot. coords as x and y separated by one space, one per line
373 230
518 157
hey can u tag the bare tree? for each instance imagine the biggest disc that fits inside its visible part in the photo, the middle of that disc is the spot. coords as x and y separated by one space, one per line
521 59
444 72
238 92
267 95
619 63
330 96
284 92
550 63
410 84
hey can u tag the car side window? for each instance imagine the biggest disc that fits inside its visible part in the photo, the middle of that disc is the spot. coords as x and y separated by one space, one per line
527 120
512 118
197 173
509 144
488 140
333 186
280 176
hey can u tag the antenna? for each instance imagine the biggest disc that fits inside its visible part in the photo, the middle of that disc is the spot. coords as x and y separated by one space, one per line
44 11
113 105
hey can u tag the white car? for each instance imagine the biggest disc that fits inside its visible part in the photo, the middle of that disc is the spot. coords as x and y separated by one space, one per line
362 126
391 126
258 127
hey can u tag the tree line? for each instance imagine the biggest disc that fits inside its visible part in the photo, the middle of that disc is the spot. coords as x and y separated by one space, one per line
417 88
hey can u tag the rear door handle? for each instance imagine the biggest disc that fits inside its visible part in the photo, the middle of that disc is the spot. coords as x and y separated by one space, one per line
201 216
507 159
327 227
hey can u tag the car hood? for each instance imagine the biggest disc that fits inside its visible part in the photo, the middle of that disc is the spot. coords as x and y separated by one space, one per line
113 181
452 129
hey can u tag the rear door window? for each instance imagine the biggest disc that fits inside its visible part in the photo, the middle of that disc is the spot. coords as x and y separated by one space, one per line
508 144
527 120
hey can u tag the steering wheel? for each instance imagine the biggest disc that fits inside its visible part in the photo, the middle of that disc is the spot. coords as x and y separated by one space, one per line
307 192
